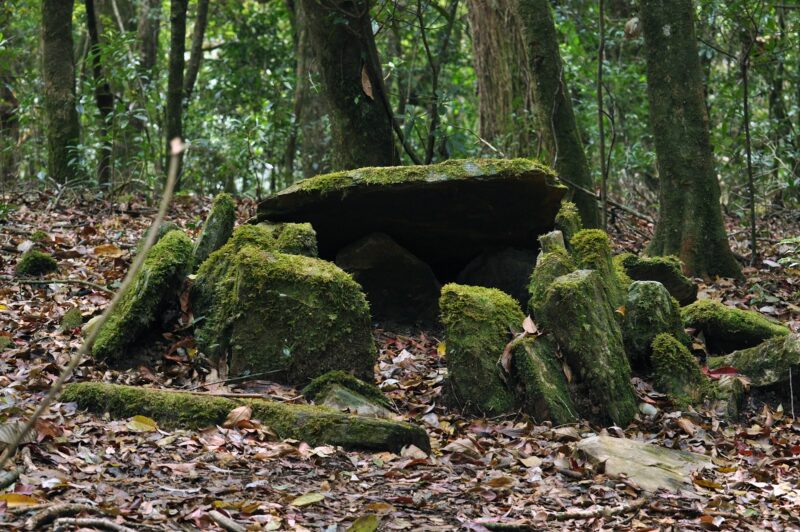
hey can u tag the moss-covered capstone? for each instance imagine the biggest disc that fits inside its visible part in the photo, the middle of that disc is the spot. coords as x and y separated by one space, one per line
291 316
666 270
312 424
151 291
592 251
568 221
577 313
550 265
676 371
649 311
538 379
35 262
337 377
445 214
478 324
727 329
766 364
217 228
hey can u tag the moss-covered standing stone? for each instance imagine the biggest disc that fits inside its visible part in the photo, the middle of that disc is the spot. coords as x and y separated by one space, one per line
665 270
727 329
163 229
766 364
676 371
649 311
217 228
34 262
291 316
478 322
568 221
592 251
154 287
577 313
549 266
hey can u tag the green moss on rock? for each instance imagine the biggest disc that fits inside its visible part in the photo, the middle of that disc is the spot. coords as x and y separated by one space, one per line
293 238
151 291
217 228
163 229
666 270
34 262
766 364
72 319
649 311
577 313
541 388
676 371
592 251
295 317
549 267
568 221
727 329
478 322
312 424
320 384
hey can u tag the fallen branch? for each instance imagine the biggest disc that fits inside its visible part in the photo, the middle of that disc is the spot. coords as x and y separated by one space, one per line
59 281
226 523
94 522
8 478
598 512
56 511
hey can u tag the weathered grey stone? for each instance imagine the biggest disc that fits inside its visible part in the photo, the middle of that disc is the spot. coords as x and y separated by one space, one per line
767 364
649 311
217 228
665 270
507 269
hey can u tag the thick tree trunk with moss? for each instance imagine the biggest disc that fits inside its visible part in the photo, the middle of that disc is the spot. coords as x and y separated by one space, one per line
690 219
58 73
558 130
177 48
343 45
505 100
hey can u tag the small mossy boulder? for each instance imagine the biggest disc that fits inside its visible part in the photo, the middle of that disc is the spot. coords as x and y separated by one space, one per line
541 388
290 316
163 229
592 251
649 311
35 262
217 228
478 325
568 221
312 424
768 364
729 329
320 384
549 267
666 270
154 288
72 319
676 371
577 313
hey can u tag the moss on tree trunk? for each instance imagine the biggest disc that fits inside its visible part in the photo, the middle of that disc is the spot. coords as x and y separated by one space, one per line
690 220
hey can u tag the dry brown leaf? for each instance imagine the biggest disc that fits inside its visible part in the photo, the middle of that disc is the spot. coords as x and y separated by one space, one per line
238 415
366 84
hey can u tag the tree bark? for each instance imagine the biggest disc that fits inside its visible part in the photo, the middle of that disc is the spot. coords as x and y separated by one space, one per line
505 98
690 221
343 46
147 34
177 48
58 73
102 94
9 131
553 106
196 54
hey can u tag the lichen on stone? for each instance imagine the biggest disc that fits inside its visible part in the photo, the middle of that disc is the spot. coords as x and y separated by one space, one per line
676 371
35 262
592 251
217 228
72 319
649 311
568 221
727 329
666 270
549 267
342 378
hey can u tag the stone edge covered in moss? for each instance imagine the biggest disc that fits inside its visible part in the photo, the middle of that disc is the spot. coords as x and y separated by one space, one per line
320 385
676 371
35 262
726 326
217 228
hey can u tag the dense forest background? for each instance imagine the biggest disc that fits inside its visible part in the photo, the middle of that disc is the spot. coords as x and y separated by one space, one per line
255 121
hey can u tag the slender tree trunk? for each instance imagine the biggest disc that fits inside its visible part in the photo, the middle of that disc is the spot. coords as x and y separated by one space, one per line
553 106
103 96
58 73
340 36
690 221
9 131
147 34
505 98
174 111
196 54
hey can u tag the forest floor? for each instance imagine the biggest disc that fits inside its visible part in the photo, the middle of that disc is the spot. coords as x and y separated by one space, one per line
480 471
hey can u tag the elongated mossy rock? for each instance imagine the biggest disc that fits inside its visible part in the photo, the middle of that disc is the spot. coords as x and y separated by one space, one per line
445 214
665 270
766 364
161 232
649 311
478 325
568 221
217 228
151 291
676 371
592 251
577 313
340 378
552 263
728 329
312 424
540 386
291 316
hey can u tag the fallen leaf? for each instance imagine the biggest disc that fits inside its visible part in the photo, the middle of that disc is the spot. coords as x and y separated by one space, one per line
237 416
17 500
365 523
366 84
308 498
108 250
528 326
142 424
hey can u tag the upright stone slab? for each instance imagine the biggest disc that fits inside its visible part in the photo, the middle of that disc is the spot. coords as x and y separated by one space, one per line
649 311
478 322
217 228
568 221
577 313
553 262
592 251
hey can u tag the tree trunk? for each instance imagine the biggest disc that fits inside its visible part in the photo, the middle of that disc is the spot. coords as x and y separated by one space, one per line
174 112
196 54
505 99
147 33
9 131
103 96
340 37
553 107
58 73
690 221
